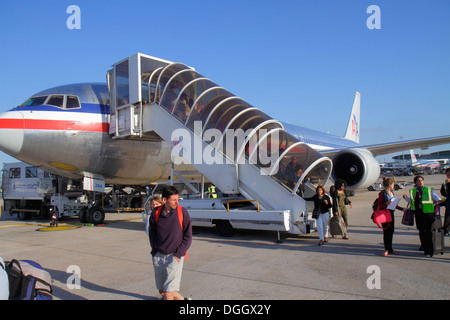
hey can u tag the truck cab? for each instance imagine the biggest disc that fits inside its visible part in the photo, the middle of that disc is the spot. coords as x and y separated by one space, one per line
26 190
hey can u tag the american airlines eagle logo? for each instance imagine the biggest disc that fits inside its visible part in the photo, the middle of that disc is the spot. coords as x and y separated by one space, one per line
355 126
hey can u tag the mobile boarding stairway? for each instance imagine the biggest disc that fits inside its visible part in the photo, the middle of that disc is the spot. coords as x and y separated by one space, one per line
241 150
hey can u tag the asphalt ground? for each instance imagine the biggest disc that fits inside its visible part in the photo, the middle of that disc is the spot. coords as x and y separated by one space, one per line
112 262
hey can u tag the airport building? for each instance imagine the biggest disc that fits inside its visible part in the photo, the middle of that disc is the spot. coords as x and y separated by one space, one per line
434 155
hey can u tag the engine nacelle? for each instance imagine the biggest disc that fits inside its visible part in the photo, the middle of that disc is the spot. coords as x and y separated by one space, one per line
357 167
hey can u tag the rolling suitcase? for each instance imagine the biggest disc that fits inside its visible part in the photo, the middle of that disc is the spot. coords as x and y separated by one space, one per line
337 226
438 236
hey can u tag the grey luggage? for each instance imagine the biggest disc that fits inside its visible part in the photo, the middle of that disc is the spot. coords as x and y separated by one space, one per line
438 236
337 226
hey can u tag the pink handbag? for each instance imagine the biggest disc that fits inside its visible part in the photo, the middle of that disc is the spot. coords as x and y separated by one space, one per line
382 216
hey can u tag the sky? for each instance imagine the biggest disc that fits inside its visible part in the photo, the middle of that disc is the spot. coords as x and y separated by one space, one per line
299 61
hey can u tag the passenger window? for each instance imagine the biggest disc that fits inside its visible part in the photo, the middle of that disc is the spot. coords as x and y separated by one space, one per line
72 102
14 173
30 172
57 101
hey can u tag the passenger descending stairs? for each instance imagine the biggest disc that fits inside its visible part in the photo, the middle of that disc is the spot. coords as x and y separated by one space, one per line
196 116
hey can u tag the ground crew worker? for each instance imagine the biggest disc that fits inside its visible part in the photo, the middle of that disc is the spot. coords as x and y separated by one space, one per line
445 192
421 199
212 191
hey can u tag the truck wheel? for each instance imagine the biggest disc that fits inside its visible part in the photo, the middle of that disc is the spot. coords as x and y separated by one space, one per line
224 228
96 215
24 215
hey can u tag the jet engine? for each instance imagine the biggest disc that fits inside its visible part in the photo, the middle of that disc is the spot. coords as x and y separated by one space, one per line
357 167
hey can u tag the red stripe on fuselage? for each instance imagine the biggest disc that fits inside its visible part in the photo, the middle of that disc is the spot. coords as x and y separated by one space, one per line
37 124
11 124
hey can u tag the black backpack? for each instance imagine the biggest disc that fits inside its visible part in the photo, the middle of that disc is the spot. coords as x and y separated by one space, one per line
375 205
374 208
28 281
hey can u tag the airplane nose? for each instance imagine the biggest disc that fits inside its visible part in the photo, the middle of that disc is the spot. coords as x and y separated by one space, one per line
11 132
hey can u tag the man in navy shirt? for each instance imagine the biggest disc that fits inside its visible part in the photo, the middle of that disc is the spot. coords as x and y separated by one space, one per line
170 233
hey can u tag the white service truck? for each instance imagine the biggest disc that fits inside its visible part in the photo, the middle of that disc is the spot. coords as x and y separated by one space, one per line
32 192
25 189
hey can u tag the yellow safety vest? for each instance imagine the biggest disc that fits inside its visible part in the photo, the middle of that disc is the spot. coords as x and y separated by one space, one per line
427 200
212 192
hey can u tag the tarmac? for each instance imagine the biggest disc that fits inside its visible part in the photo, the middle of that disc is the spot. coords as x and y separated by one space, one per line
113 262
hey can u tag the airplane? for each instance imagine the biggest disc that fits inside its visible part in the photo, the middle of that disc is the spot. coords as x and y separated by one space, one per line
426 162
65 130
429 164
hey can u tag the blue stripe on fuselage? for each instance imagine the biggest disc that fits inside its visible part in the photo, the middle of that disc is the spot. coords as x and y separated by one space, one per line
308 136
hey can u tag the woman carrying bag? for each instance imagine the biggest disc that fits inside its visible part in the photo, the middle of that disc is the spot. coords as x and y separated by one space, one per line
340 202
321 212
385 198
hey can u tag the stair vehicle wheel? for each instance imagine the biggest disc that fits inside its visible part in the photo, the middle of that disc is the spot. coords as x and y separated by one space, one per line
225 228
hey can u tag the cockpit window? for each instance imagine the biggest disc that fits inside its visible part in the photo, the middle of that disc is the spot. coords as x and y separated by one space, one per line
34 101
72 102
57 101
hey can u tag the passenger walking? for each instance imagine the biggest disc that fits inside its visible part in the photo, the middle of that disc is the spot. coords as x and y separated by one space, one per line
293 172
445 192
340 202
385 198
155 201
322 205
170 233
421 199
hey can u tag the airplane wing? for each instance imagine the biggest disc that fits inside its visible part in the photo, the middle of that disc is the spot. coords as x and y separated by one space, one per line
385 148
